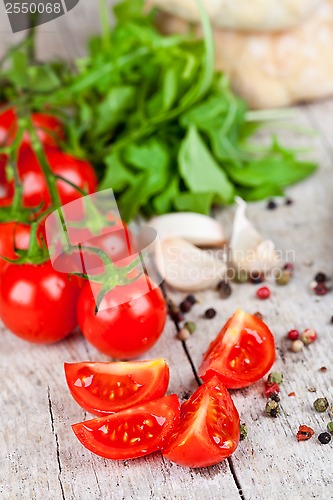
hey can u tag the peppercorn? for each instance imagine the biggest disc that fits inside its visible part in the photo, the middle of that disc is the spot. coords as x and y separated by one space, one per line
185 306
224 289
177 317
283 277
293 335
275 378
263 293
183 334
296 346
271 205
272 409
289 266
288 201
320 277
243 431
210 313
308 336
241 276
275 397
256 278
192 299
191 326
324 438
320 289
258 315
304 433
323 369
270 390
330 427
320 405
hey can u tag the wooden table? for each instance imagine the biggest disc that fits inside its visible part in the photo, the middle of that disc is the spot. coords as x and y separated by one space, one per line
40 457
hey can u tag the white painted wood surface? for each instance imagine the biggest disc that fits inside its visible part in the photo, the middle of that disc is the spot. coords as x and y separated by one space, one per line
40 457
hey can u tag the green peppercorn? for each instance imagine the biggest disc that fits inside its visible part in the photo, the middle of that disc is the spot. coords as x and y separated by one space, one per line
275 378
241 276
321 405
330 427
272 408
190 326
243 431
283 277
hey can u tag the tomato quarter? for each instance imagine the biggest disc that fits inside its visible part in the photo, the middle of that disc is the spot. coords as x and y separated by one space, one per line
209 428
131 433
105 388
242 353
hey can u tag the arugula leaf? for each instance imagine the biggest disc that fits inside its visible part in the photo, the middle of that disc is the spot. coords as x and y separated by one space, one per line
166 200
118 176
152 155
193 202
199 170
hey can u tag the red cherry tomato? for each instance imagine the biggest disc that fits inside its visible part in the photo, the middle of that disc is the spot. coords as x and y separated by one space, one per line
49 129
35 190
105 388
12 235
242 353
6 188
131 321
37 303
131 433
209 428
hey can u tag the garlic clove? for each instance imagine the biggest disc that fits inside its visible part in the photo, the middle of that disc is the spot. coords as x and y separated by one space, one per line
188 268
198 229
248 249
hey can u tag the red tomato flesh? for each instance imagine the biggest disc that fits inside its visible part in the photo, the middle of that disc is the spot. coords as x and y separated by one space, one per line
131 433
106 388
242 353
209 428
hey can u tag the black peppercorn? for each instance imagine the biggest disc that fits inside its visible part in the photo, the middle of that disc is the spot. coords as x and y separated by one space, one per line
271 205
324 437
210 313
224 289
275 397
185 306
191 298
320 277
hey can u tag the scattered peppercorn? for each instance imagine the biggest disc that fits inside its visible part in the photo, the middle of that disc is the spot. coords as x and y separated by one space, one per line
185 306
289 266
272 409
243 431
183 334
271 205
304 433
263 293
323 369
275 378
288 201
296 346
320 277
312 389
192 299
308 336
174 312
320 405
275 397
258 315
320 289
283 277
191 326
330 427
241 276
210 313
256 278
293 335
270 390
224 289
324 438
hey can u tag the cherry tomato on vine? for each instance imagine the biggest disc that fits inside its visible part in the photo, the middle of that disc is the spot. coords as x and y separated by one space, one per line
242 353
35 190
130 321
131 433
105 388
38 303
6 188
49 129
209 428
12 235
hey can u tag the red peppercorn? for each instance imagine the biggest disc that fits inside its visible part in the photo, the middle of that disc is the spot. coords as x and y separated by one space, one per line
293 335
320 289
263 293
304 433
271 389
289 267
309 336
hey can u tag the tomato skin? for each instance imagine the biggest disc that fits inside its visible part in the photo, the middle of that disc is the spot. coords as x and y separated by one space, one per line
35 190
37 303
12 235
149 425
245 341
206 419
132 320
49 129
106 388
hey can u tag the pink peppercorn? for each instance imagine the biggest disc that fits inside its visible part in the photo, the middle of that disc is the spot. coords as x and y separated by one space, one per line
263 293
309 336
293 335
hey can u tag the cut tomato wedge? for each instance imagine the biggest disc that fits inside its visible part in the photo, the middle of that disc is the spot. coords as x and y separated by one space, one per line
242 353
209 428
131 433
106 388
